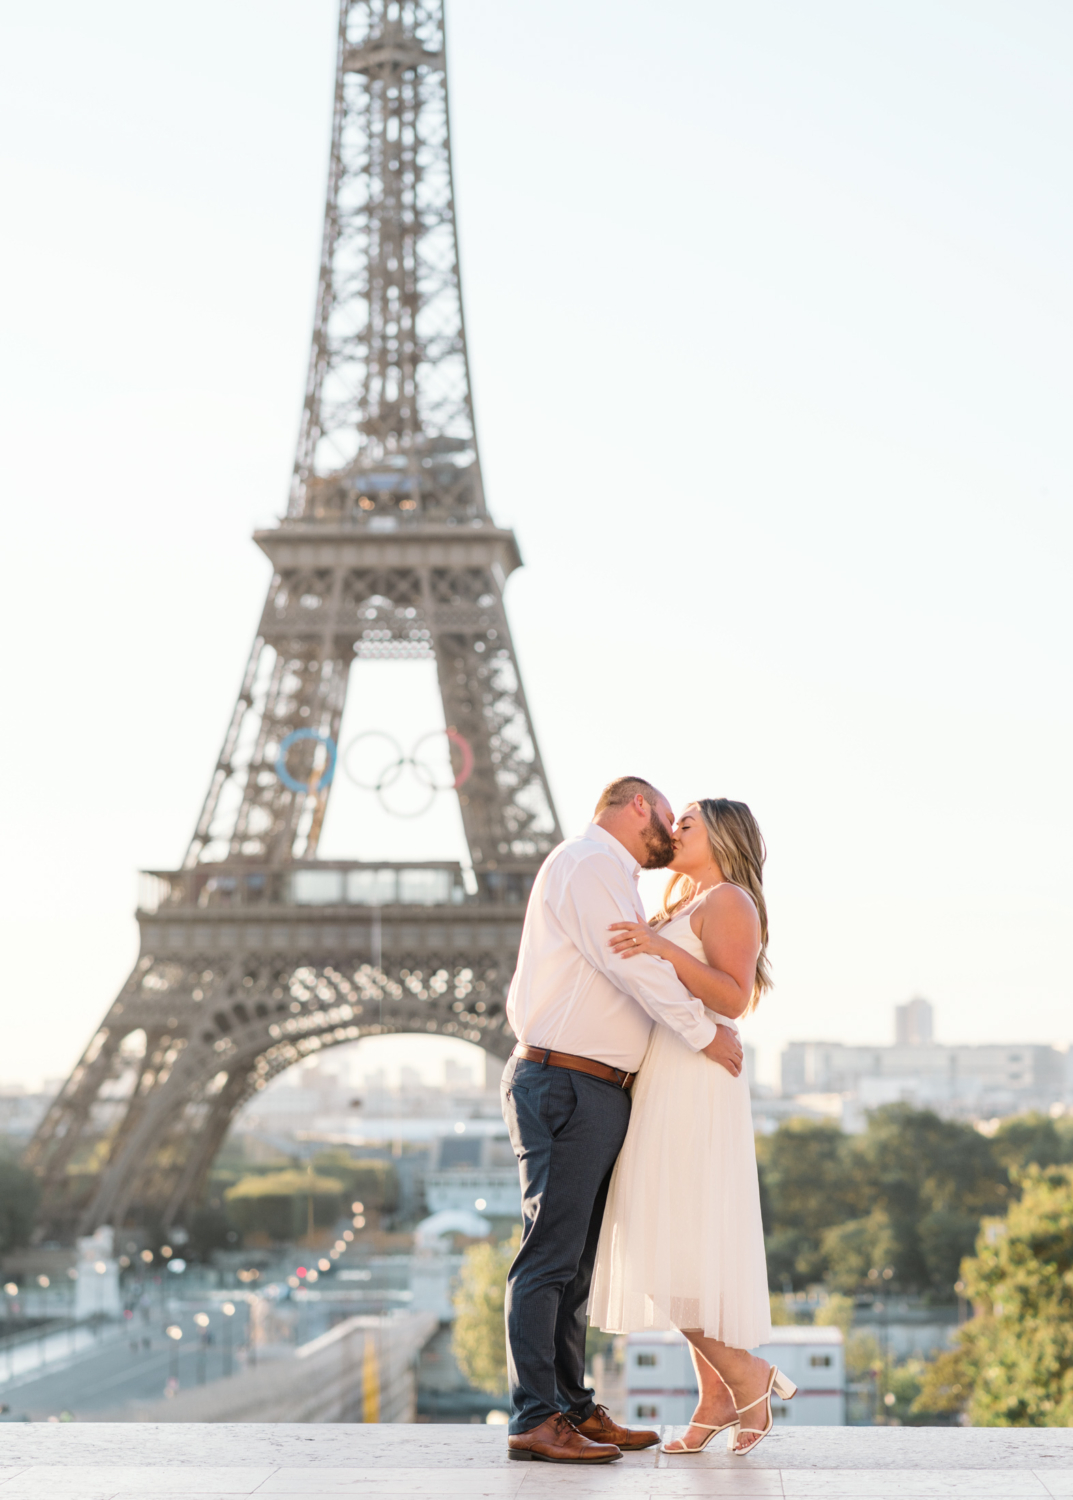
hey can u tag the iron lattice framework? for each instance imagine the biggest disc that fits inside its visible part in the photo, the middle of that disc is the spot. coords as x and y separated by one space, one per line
256 953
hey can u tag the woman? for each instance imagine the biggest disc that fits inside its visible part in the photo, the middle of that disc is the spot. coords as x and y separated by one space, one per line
682 1243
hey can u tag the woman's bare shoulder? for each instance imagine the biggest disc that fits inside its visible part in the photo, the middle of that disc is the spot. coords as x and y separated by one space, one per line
728 900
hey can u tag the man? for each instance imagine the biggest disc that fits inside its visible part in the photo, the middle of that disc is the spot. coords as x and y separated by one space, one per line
582 1017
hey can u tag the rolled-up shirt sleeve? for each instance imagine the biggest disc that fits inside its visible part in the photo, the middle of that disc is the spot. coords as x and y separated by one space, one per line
585 901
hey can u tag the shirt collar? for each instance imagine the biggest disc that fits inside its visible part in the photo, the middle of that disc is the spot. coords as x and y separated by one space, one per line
601 836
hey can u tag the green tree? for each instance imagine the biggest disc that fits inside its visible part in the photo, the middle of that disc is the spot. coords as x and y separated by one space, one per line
835 1312
924 1183
19 1196
947 1383
1013 1366
863 1356
210 1229
909 1192
284 1205
371 1182
783 1311
853 1249
804 1192
1032 1138
479 1337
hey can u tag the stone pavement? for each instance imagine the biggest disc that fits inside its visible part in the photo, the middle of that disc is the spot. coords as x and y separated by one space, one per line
99 1461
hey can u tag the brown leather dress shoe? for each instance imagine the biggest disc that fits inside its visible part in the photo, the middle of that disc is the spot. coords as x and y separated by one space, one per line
557 1442
602 1428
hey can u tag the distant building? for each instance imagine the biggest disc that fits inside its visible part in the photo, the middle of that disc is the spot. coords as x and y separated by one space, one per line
22 1110
913 1024
456 1075
661 1385
982 1080
478 1173
493 1073
814 1359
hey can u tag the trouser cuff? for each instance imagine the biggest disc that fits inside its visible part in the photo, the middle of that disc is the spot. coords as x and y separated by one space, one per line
527 1422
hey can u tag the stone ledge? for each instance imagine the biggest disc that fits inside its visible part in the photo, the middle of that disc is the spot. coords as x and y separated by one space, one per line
421 1446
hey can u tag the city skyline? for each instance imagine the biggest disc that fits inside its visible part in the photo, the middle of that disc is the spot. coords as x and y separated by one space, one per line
430 1060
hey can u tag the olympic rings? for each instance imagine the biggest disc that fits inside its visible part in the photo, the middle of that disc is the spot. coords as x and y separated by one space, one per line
464 750
389 775
285 744
398 763
395 767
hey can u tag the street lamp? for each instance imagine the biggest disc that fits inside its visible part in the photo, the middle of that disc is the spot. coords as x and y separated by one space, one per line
959 1288
175 1333
228 1311
202 1321
887 1274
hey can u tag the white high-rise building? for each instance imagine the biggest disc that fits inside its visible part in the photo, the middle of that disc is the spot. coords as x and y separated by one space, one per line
913 1024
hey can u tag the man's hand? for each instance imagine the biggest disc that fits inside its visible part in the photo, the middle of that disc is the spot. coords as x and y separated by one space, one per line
725 1049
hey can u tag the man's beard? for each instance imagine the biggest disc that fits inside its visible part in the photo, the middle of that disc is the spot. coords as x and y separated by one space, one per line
659 844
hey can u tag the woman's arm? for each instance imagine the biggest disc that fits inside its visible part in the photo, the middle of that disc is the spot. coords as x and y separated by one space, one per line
729 932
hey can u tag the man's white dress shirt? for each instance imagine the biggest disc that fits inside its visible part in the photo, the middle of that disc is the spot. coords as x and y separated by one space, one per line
570 992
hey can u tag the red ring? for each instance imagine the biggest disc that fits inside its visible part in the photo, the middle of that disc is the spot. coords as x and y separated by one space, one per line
467 756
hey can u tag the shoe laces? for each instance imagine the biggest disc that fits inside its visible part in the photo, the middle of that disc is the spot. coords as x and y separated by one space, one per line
600 1413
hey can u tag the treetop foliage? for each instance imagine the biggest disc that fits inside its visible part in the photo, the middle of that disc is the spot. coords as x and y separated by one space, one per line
479 1338
907 1194
1013 1366
19 1195
287 1184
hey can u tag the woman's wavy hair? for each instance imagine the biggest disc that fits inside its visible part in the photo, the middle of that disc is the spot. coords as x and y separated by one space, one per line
739 850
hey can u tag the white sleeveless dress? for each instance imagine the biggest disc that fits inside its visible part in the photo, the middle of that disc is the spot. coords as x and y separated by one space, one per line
682 1244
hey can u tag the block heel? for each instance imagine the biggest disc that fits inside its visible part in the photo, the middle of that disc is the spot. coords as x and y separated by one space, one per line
783 1387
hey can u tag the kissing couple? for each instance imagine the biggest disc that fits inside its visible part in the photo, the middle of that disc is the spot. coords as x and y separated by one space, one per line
628 1110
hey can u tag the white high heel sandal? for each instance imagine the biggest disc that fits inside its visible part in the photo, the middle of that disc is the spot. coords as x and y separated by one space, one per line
712 1432
783 1386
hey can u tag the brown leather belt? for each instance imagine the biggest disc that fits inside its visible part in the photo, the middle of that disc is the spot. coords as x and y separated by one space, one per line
575 1064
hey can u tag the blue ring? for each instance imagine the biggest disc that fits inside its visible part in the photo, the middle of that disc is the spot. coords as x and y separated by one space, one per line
281 759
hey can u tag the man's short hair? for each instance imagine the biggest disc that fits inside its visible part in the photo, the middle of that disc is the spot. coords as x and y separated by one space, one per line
624 789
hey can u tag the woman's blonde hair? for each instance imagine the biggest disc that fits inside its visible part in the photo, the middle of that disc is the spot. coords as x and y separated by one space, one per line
739 850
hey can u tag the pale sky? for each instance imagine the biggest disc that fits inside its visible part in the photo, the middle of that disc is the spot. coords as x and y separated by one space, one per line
770 316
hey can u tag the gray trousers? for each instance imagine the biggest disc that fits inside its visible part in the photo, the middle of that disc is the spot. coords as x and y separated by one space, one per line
567 1130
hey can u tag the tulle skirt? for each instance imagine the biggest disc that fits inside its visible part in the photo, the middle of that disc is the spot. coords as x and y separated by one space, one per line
682 1244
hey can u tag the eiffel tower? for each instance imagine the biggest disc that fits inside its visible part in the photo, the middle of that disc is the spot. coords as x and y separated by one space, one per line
256 953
